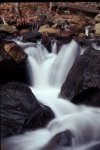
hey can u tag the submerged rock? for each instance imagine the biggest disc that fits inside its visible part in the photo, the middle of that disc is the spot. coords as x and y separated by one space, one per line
20 110
82 84
60 141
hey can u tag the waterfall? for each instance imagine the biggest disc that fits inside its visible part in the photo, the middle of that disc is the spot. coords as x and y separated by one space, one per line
54 46
48 72
87 28
50 62
64 62
96 46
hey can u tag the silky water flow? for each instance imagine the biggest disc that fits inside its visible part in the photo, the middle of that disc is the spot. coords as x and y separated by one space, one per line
48 72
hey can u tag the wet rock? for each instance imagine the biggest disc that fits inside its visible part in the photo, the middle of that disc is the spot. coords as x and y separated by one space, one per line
88 41
13 63
41 19
3 35
14 51
60 141
65 34
20 110
8 28
90 96
82 84
48 30
97 18
64 38
46 41
24 31
94 147
77 28
61 23
31 36
97 29
81 35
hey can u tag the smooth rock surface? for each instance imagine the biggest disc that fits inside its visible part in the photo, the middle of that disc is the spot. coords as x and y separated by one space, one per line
82 84
20 110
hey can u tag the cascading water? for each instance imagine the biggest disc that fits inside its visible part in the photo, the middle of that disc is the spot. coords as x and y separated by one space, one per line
63 63
87 28
54 46
48 72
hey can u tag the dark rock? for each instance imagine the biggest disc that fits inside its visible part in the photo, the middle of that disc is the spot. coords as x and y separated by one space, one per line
60 40
20 110
60 141
41 19
13 64
3 35
90 96
83 81
46 41
31 36
23 26
63 38
23 31
88 41
78 8
94 147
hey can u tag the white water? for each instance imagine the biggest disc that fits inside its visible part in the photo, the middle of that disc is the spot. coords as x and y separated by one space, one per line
54 46
87 28
48 72
95 46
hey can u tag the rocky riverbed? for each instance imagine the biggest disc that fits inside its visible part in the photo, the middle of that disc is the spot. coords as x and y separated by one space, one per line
61 24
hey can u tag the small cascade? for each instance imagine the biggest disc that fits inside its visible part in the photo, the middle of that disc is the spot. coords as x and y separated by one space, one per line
48 72
87 28
63 63
36 57
54 46
96 46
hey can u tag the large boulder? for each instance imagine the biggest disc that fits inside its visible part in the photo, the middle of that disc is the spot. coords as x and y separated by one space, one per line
13 63
20 110
82 84
14 51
